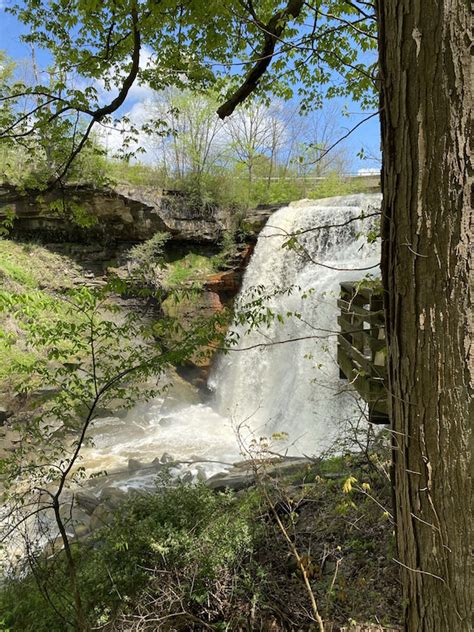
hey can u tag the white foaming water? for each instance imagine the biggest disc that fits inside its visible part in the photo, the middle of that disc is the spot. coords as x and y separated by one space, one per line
291 387
294 387
190 432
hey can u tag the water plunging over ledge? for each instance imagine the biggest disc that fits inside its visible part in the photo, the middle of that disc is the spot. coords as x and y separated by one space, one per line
270 384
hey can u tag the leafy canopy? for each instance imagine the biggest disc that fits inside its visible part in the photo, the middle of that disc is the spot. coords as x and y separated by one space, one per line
99 50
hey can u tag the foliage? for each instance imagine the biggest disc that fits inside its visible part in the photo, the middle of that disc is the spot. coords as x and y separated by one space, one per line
89 353
135 174
147 259
192 267
336 184
150 266
193 556
229 246
6 223
33 166
184 539
103 42
25 268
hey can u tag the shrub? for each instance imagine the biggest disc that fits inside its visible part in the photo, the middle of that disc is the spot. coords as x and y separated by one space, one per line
180 545
192 267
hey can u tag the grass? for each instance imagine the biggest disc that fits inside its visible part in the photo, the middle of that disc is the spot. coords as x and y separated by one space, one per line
11 271
26 266
191 268
334 185
32 271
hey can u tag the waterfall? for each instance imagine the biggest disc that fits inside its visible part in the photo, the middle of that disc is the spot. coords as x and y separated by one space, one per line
280 377
294 387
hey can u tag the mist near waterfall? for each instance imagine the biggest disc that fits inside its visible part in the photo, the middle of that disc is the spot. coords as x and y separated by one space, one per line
283 377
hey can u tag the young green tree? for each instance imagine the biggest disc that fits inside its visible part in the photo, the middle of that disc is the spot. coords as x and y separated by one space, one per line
192 146
90 355
252 135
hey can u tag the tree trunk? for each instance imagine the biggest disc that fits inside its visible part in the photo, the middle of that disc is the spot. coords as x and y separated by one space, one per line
425 65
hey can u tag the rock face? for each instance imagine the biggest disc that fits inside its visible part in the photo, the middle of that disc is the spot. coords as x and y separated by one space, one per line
218 291
121 214
242 475
183 219
4 414
255 219
227 284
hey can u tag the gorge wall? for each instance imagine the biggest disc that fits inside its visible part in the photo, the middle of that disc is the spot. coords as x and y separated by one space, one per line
121 213
119 217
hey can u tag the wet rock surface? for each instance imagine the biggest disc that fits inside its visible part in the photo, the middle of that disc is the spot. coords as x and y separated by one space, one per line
93 507
243 475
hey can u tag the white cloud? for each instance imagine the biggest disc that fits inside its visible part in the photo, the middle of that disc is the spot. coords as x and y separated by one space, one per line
138 91
136 108
113 138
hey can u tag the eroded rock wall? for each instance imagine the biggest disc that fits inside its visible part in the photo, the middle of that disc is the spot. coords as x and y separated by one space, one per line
122 213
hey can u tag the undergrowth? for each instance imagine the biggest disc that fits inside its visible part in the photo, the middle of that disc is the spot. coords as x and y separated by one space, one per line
33 271
188 558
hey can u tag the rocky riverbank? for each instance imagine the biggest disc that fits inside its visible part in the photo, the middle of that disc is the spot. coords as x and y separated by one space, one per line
93 506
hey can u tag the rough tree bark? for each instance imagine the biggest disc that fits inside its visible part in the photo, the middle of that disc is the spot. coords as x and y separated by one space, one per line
426 84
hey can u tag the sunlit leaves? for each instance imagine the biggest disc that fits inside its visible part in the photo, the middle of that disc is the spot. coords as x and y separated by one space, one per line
326 52
348 483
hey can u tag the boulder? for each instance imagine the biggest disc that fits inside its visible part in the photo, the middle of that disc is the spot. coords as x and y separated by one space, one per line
81 530
53 546
5 414
113 496
186 477
134 465
73 513
101 517
86 501
242 475
230 480
201 474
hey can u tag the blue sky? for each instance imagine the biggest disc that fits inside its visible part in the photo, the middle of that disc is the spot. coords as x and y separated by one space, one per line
367 136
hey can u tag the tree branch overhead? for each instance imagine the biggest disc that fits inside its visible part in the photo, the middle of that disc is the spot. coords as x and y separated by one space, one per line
272 32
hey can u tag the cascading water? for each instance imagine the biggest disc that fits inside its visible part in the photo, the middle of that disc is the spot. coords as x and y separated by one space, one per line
293 386
280 377
268 383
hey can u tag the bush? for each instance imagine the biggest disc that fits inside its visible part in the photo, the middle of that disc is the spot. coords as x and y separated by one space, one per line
136 174
192 267
336 184
194 559
181 545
